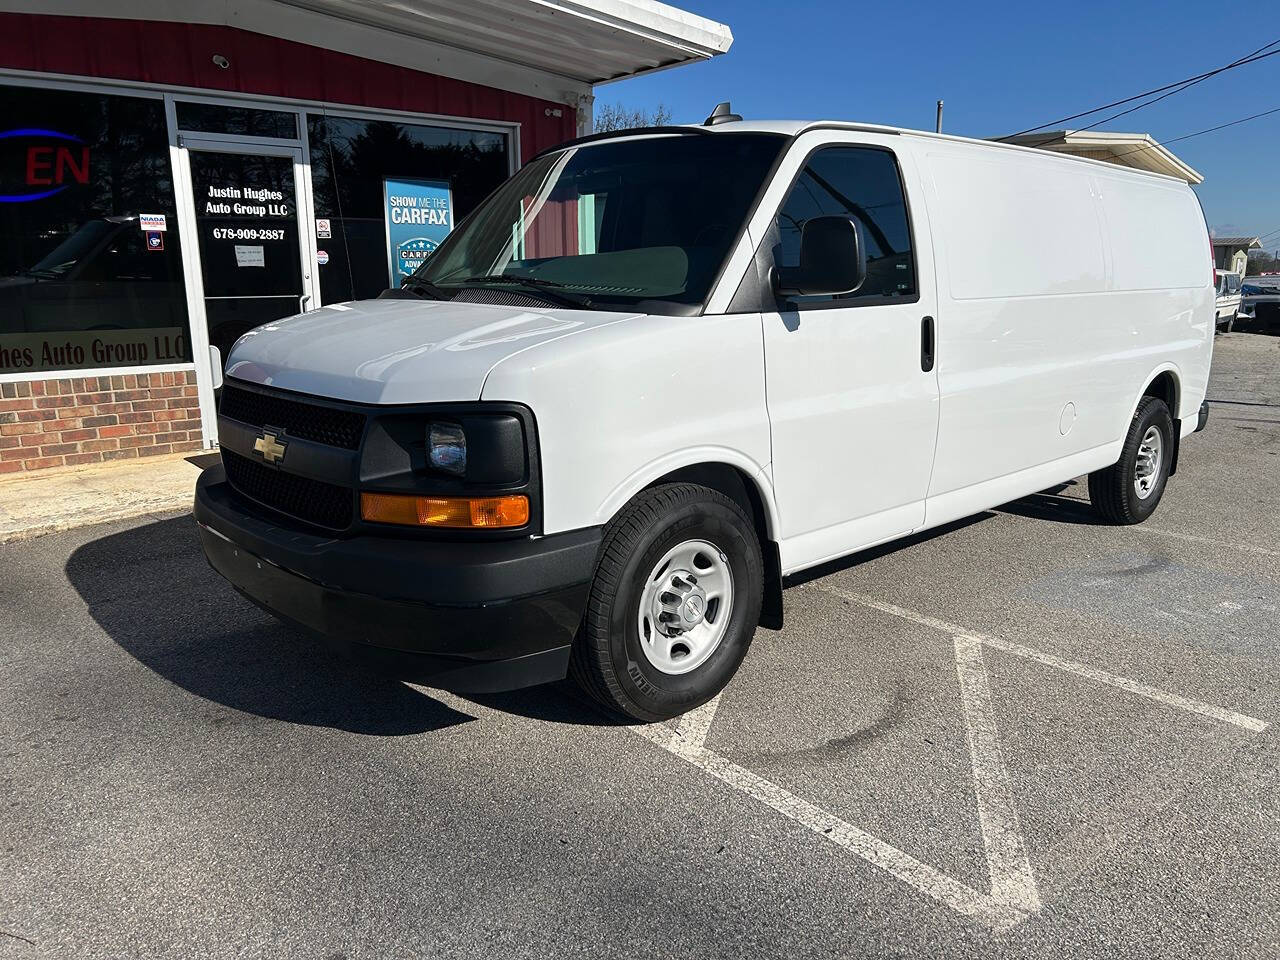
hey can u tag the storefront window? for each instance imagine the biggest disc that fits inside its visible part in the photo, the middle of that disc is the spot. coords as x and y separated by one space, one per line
246 121
247 232
90 263
355 162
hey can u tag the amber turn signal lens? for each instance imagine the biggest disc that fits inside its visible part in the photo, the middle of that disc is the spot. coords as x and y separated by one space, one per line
475 513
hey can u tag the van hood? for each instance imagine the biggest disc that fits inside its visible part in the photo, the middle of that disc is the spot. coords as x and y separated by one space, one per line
399 351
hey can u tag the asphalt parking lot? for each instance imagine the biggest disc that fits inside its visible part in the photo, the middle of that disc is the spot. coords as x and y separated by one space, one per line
1025 735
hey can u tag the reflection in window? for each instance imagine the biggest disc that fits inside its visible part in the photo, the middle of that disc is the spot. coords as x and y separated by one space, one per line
243 121
249 260
863 184
80 280
620 221
350 158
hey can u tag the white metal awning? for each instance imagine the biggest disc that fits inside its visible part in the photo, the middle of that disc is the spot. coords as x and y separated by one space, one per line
1138 150
590 41
555 49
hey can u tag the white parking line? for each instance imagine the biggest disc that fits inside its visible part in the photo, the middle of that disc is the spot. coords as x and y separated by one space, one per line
1011 879
691 734
1191 538
1148 529
1014 894
685 743
1069 666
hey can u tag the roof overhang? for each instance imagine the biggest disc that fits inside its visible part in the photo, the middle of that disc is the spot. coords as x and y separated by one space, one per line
554 49
1140 151
1238 243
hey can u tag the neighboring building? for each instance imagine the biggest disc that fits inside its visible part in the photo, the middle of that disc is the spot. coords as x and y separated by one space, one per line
1232 253
1138 150
174 174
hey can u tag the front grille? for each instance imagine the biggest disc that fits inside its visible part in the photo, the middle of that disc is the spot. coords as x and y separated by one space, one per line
297 418
314 501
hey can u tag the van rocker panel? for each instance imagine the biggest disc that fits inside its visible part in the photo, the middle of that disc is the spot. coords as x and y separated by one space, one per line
481 616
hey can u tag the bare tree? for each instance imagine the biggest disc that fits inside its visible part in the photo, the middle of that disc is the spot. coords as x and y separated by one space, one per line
614 116
1262 262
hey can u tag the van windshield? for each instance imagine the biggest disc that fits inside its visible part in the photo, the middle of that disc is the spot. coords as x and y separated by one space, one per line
612 224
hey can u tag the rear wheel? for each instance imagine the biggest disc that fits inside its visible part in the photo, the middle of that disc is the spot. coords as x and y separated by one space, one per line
1128 491
674 604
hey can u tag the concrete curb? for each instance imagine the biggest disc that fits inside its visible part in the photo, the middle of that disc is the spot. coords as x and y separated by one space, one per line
90 519
49 501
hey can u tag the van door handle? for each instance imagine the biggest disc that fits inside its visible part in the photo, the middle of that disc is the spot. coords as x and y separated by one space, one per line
926 344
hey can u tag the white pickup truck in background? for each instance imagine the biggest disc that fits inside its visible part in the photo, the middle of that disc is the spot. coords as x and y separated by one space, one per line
1228 298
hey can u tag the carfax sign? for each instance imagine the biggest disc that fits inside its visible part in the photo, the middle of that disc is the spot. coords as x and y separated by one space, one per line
419 214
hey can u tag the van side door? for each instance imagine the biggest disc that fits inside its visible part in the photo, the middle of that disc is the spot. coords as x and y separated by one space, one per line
851 380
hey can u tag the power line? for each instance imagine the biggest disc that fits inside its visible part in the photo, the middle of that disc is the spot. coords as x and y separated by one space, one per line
1172 88
1198 133
1223 126
1247 58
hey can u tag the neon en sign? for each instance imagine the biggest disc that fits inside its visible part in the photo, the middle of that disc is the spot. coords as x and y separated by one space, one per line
53 166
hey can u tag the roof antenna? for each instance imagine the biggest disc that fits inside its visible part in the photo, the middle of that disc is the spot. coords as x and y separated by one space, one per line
723 113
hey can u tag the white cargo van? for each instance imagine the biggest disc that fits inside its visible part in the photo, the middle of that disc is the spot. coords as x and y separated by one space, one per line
657 371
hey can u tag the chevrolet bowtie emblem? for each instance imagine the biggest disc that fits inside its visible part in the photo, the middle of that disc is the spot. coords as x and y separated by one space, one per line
272 450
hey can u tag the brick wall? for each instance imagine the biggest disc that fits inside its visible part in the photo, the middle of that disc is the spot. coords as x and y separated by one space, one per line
57 423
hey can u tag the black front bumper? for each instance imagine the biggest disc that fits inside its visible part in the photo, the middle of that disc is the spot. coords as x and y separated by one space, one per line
478 616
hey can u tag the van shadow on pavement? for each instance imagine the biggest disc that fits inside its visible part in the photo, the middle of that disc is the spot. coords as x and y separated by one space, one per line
152 592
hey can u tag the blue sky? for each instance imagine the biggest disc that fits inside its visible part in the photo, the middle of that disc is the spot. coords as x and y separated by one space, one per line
1002 68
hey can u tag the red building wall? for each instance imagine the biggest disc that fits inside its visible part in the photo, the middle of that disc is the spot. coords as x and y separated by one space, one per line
82 420
67 422
181 54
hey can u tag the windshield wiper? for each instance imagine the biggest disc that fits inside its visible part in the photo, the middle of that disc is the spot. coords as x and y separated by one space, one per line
427 287
548 288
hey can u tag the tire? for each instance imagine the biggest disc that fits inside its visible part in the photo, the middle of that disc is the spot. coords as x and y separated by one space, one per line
1114 491
650 679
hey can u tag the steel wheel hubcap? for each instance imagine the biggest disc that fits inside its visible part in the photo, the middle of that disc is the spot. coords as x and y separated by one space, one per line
685 607
1146 471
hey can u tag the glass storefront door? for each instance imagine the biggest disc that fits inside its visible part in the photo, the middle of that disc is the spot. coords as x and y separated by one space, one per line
254 264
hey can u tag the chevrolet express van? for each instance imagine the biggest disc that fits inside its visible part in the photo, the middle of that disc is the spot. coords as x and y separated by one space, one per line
659 370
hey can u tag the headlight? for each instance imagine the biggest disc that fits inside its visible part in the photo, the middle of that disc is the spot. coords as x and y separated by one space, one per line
447 448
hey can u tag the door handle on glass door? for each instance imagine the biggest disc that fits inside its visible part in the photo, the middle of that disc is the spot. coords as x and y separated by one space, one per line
302 302
927 347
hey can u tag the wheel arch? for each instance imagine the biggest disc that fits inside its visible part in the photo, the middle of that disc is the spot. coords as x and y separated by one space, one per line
1165 383
738 478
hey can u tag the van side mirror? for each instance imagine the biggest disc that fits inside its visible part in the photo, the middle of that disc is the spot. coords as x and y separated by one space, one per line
832 260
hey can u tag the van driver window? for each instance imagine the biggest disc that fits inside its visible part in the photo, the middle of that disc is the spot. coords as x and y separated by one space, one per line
861 183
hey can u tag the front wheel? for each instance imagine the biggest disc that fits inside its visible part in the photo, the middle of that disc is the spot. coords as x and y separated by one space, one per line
1128 491
674 604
